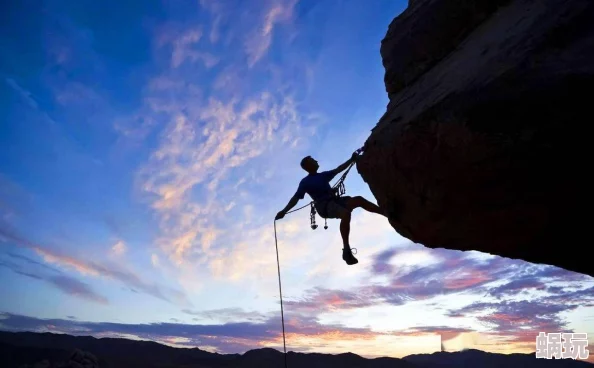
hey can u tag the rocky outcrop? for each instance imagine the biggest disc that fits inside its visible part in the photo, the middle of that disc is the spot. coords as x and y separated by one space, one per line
483 145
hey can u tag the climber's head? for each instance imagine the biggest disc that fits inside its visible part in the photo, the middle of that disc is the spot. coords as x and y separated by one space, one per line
309 164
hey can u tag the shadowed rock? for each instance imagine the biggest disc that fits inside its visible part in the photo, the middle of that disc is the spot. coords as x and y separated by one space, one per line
483 145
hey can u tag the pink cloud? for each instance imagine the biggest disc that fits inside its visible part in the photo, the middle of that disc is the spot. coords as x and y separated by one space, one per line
95 269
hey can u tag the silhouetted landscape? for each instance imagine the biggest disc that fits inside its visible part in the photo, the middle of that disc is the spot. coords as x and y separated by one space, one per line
28 349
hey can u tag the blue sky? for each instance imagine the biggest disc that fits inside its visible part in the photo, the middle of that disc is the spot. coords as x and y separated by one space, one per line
146 148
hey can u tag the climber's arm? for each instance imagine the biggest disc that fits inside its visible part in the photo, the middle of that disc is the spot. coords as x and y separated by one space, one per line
287 208
299 194
344 165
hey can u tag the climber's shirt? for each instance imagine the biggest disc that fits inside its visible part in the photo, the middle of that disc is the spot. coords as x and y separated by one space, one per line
317 186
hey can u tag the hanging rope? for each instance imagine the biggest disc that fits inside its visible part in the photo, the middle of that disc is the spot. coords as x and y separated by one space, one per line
338 190
280 293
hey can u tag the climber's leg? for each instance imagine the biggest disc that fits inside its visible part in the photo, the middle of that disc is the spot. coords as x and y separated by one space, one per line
360 202
336 208
345 227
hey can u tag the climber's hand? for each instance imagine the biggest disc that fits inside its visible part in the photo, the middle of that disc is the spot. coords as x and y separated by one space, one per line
279 215
355 156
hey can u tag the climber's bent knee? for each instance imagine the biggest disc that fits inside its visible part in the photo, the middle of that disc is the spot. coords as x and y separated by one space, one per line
345 216
354 202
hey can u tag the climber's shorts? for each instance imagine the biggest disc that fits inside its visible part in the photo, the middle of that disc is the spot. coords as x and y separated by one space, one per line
333 208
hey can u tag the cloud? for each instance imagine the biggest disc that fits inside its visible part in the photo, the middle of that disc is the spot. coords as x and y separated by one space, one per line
95 269
582 296
517 321
198 149
119 248
79 94
184 46
445 332
23 93
66 284
454 272
381 265
211 128
320 300
17 269
226 338
77 288
218 11
517 298
448 272
259 40
155 260
516 286
32 262
127 278
253 26
226 315
181 48
307 334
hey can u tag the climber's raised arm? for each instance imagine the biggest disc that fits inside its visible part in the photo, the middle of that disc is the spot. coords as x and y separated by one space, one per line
344 165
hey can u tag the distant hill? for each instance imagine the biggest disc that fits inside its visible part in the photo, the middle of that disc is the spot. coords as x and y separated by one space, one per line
18 349
476 358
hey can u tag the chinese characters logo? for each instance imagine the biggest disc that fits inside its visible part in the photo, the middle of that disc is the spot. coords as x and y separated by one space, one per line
562 345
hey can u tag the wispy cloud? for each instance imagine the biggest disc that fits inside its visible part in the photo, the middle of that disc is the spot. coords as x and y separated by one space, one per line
307 333
119 248
112 272
32 262
514 324
91 268
64 283
227 315
204 142
75 287
184 45
445 332
515 301
321 300
25 94
155 260
258 41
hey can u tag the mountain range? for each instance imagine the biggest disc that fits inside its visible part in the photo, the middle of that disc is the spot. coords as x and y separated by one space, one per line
19 349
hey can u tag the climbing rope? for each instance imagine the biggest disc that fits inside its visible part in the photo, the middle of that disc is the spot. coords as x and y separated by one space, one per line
280 292
338 190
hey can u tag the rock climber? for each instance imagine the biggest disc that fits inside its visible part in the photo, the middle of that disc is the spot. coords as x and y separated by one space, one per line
327 203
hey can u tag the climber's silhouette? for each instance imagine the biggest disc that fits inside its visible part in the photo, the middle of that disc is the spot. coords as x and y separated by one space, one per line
327 203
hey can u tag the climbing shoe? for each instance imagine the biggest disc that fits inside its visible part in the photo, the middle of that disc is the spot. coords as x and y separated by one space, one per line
347 256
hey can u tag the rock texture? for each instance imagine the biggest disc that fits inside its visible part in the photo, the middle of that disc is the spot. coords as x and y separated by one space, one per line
484 144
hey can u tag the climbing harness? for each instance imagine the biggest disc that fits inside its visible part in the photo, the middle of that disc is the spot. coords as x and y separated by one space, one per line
338 190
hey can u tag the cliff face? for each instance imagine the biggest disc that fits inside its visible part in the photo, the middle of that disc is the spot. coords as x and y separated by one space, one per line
483 145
